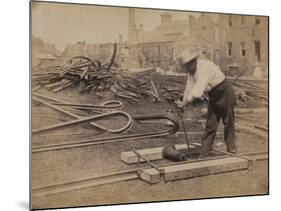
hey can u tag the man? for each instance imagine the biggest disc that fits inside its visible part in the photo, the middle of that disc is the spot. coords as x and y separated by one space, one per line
204 77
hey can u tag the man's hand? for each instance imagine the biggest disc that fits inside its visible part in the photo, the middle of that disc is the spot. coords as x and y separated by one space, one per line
196 102
179 104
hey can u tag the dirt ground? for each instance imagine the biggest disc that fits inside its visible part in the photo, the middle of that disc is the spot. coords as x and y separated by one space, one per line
73 164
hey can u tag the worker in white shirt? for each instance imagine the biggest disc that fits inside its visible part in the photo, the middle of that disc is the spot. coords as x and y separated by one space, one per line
204 77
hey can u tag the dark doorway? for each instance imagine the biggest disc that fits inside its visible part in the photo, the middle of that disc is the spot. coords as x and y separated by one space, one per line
258 50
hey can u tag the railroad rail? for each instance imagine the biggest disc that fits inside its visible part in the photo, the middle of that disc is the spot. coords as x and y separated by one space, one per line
173 127
127 175
56 105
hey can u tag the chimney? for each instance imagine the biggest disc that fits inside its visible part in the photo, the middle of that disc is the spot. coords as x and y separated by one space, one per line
132 26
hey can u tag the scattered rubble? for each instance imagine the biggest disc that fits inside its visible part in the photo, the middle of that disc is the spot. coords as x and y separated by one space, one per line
93 76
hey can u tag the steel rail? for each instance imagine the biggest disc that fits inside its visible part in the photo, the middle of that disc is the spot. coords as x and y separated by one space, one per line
113 177
71 114
106 105
64 68
80 120
174 128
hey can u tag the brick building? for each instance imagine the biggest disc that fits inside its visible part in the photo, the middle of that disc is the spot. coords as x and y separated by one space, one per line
159 47
234 42
231 41
243 42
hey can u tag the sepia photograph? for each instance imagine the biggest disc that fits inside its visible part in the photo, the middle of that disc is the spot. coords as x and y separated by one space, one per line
135 105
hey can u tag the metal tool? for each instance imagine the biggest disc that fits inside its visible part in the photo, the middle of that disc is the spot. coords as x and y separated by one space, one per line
171 153
180 113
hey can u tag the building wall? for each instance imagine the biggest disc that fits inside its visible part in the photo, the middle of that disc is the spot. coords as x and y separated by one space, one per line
203 32
242 32
204 28
178 35
261 34
157 54
175 28
203 36
195 42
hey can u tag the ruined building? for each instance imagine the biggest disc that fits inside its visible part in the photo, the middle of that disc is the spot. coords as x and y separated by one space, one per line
159 47
243 42
234 42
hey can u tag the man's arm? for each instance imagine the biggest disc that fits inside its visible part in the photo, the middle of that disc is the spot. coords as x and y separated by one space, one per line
197 89
188 87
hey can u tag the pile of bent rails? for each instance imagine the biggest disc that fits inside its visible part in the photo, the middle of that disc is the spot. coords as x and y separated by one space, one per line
148 85
250 91
91 75
77 71
87 113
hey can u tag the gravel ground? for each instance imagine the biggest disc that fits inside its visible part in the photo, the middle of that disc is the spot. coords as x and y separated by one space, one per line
72 164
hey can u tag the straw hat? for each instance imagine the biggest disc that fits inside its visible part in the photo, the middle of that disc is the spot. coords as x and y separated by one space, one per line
187 55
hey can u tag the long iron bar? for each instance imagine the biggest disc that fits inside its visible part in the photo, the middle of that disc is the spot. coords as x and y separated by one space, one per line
105 105
79 121
112 178
171 130
57 108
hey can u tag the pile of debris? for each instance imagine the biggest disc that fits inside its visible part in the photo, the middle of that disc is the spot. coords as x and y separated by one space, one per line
148 84
247 91
93 75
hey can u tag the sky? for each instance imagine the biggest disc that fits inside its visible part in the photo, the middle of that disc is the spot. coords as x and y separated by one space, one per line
62 24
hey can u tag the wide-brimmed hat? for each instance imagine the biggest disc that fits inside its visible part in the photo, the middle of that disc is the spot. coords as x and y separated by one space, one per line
187 55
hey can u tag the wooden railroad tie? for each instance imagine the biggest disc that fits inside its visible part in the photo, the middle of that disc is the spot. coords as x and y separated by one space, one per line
152 153
190 170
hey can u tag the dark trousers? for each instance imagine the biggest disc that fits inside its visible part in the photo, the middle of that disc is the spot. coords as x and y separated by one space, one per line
221 106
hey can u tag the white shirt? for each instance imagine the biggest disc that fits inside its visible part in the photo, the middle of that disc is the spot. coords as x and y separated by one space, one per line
207 76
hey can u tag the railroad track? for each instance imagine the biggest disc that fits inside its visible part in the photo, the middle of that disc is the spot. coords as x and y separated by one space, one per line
125 176
86 183
171 130
58 105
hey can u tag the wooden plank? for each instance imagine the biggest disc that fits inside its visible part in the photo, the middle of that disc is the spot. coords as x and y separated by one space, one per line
149 154
190 170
